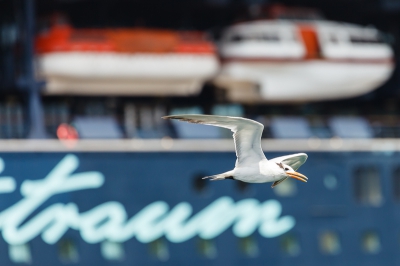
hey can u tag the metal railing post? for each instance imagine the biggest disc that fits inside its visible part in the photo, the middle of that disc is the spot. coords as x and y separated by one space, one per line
31 85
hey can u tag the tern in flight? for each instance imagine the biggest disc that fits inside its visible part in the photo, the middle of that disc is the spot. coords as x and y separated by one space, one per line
251 165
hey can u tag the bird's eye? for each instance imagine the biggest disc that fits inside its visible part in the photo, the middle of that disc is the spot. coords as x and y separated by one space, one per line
286 169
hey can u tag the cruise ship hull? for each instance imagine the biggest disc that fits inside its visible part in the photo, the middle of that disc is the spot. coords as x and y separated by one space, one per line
105 204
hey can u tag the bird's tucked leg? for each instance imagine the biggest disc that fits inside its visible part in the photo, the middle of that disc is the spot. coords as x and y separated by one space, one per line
223 176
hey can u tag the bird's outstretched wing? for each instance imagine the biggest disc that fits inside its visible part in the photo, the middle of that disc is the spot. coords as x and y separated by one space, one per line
246 134
293 160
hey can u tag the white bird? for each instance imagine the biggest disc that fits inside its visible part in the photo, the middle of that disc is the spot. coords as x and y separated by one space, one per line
251 165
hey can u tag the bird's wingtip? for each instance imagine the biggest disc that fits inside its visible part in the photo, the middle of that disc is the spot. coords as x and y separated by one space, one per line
169 117
178 117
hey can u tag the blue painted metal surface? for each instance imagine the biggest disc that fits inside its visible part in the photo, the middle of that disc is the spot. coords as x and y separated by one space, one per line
139 179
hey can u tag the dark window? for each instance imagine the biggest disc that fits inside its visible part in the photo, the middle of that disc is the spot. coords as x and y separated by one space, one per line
367 186
264 37
236 38
270 37
333 39
396 183
261 37
364 39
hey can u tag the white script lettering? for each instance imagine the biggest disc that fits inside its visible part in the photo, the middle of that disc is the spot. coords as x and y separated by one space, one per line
109 221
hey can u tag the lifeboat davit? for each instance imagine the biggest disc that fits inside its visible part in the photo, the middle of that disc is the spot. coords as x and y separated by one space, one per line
300 61
137 62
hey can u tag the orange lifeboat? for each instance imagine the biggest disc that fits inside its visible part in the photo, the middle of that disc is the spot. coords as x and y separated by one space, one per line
142 62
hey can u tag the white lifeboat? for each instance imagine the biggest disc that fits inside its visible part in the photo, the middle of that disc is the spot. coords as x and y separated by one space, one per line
300 61
137 62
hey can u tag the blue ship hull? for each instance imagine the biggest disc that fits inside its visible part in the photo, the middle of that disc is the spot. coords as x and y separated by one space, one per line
134 181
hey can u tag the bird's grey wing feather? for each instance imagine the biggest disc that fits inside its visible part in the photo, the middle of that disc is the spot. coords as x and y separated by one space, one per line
293 160
246 134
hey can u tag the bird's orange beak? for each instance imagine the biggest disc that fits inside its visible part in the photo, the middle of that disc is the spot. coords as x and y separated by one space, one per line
297 176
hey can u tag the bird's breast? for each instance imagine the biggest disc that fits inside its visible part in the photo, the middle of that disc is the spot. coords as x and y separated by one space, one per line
270 170
260 173
253 178
266 168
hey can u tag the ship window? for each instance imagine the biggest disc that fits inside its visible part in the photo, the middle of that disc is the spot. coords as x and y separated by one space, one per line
287 188
329 243
112 250
370 242
365 39
159 249
333 39
20 253
256 37
248 245
207 248
290 245
367 186
396 183
236 38
67 251
269 37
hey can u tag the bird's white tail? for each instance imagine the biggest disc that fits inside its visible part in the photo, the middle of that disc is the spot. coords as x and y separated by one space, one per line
226 175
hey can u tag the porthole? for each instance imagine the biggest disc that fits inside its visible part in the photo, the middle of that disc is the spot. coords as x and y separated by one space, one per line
329 243
112 250
370 242
248 245
207 248
20 253
330 182
290 245
67 251
159 249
